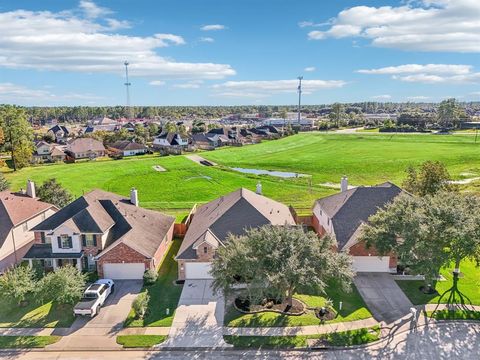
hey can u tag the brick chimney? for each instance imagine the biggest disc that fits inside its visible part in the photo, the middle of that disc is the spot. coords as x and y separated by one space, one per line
134 196
31 189
344 184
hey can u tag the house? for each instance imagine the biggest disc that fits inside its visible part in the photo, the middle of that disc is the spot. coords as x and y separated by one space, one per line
343 215
170 139
128 148
104 232
103 120
85 148
60 133
205 141
233 213
46 152
19 213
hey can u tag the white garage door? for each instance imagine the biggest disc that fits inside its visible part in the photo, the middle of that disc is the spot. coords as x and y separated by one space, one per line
125 271
371 264
196 270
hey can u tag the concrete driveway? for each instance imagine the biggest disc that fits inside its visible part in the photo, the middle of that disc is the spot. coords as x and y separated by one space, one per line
101 330
198 320
386 301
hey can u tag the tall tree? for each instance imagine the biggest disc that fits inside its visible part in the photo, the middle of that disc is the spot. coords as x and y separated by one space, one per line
430 178
337 113
278 260
18 135
52 192
449 113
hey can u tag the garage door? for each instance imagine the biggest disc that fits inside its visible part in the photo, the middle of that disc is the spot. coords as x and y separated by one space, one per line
196 270
126 271
371 264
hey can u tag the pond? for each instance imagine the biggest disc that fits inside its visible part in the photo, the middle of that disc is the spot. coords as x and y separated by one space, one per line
282 174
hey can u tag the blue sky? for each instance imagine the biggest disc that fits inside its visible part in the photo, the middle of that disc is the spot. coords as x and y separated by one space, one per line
219 52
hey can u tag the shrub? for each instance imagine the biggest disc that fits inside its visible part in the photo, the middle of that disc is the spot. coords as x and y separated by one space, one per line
140 305
65 286
149 277
16 283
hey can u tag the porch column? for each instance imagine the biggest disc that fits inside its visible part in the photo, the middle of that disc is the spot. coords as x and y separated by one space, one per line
30 263
54 264
79 264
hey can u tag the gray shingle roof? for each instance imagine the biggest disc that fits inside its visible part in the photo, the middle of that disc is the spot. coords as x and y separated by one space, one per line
233 213
350 209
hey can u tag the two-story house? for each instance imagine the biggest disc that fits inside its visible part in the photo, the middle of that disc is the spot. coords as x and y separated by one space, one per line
105 232
60 133
45 152
170 139
19 213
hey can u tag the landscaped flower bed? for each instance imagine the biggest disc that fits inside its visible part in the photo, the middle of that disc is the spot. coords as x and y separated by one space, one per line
270 305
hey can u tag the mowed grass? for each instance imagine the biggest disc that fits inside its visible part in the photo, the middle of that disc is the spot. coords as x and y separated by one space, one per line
140 341
27 342
35 315
365 159
353 308
466 291
164 294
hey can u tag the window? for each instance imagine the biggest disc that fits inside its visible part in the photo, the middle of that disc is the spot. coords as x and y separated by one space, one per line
65 242
90 240
205 250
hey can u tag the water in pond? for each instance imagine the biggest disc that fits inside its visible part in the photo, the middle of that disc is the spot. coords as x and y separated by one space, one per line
282 174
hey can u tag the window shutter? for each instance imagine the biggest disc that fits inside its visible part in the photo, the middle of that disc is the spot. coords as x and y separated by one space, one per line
94 240
84 240
70 245
42 236
59 242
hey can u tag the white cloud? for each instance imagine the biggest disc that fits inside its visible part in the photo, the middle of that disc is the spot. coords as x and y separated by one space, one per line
157 83
429 73
309 69
382 97
418 98
207 39
213 27
189 85
423 25
63 41
92 10
304 24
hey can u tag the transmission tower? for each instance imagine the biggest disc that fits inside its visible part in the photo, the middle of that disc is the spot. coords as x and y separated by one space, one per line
300 78
127 86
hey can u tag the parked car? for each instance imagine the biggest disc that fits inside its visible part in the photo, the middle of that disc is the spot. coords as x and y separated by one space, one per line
94 297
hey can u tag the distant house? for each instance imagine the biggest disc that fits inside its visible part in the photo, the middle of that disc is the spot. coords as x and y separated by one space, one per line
103 120
45 152
128 148
233 213
60 133
104 232
19 213
90 129
85 148
343 216
170 139
205 141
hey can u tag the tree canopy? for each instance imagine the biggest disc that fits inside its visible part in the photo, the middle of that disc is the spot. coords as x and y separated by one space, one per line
52 192
431 177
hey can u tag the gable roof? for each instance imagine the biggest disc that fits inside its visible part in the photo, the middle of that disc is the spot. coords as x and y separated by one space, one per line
58 128
16 208
350 209
127 145
85 144
233 213
141 229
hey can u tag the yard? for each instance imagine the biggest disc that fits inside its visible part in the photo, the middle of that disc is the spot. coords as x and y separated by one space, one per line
365 159
35 315
26 342
467 290
140 341
164 294
353 308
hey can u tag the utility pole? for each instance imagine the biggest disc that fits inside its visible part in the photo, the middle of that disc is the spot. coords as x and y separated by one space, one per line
300 78
127 86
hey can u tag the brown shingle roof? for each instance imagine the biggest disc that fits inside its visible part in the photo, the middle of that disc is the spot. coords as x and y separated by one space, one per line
82 145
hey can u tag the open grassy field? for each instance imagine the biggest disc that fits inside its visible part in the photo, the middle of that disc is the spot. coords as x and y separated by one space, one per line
365 159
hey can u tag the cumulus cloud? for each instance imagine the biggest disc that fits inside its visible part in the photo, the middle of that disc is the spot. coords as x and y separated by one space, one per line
418 98
382 97
207 39
310 68
157 83
63 41
92 10
423 25
213 27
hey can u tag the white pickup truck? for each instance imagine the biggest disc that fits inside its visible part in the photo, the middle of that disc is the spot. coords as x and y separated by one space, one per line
94 297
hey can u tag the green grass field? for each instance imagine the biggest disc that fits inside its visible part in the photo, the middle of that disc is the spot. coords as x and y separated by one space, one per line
365 159
26 342
140 341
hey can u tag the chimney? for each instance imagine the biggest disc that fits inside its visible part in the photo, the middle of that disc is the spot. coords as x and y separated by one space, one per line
344 184
134 196
31 189
259 188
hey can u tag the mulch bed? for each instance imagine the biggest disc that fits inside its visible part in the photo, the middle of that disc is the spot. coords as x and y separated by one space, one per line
271 305
326 314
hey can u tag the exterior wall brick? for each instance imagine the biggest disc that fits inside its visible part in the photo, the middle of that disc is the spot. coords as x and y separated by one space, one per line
360 249
123 254
201 257
93 250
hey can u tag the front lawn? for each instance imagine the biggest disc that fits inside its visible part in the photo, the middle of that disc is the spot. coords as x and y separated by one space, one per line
164 294
140 341
25 342
353 309
345 338
454 315
467 289
35 315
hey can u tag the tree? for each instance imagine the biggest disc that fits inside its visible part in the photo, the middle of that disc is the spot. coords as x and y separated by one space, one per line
140 305
49 137
449 113
16 283
4 185
278 260
432 177
18 135
65 285
52 192
337 113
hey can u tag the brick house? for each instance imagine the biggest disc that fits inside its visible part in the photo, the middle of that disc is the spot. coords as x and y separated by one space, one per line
128 148
85 148
344 214
104 232
19 213
233 213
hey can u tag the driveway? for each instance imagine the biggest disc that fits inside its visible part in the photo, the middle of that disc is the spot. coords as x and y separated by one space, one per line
101 330
386 301
198 320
